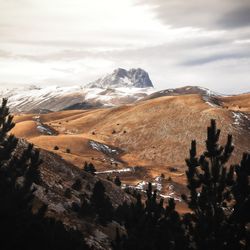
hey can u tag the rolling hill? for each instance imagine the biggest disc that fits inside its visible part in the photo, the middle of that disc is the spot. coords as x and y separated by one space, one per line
141 141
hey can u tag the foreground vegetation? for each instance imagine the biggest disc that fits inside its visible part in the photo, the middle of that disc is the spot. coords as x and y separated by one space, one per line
20 227
219 203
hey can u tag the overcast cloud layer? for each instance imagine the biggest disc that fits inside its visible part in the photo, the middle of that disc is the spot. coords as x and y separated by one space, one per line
179 42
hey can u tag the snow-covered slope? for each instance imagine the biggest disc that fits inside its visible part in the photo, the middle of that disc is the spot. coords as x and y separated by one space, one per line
56 98
120 87
137 78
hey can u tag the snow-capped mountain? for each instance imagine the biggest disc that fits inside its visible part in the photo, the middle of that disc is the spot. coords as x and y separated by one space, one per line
137 78
120 87
57 98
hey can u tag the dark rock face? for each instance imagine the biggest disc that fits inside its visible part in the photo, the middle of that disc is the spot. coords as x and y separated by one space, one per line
83 105
138 78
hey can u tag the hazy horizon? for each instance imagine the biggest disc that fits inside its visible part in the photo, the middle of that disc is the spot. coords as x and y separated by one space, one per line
75 42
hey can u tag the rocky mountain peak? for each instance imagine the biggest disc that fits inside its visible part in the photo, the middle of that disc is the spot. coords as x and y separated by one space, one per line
120 77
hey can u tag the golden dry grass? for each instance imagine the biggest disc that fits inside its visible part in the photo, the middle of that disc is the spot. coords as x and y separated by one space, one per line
26 129
155 134
238 102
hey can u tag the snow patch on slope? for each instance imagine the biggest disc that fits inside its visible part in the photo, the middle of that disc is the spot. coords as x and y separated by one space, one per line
41 128
123 170
44 130
158 186
241 119
103 148
237 118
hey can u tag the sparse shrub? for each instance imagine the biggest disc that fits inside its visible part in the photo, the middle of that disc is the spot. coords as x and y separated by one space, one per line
93 133
113 132
56 148
89 167
117 181
124 132
68 151
173 169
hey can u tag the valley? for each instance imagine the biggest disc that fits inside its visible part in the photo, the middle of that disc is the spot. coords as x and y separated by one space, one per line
139 142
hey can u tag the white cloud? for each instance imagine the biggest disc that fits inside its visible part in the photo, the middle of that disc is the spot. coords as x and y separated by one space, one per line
74 42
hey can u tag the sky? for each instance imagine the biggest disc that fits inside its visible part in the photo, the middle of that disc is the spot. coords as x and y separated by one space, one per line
74 42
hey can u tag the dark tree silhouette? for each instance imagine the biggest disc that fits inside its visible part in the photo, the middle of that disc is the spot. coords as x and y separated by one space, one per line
219 200
101 203
150 225
20 228
89 167
117 181
213 190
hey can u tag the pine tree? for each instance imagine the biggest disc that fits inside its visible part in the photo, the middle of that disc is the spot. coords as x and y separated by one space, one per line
101 203
211 183
20 228
242 189
151 226
219 200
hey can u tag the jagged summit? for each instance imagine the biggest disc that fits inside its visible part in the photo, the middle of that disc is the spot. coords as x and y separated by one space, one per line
137 78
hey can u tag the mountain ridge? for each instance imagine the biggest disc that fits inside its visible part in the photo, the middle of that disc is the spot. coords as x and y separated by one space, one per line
121 87
120 77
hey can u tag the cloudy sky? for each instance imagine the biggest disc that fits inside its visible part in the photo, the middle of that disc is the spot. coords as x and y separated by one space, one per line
179 42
